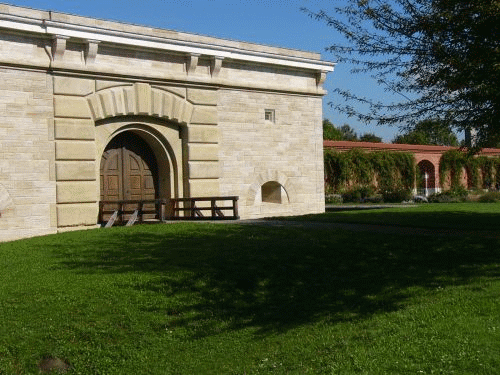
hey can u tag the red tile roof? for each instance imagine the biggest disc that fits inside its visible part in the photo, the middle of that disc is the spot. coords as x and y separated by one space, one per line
372 146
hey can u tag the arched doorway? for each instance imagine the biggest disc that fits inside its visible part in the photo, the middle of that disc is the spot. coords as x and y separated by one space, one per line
427 178
129 171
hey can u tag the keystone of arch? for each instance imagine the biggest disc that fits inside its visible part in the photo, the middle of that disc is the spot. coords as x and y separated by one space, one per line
139 99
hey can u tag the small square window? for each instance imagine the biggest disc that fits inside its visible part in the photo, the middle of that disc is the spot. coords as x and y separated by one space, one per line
269 115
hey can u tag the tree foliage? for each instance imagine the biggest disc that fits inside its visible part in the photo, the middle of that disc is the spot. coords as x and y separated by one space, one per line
428 132
330 132
345 133
442 56
348 133
370 137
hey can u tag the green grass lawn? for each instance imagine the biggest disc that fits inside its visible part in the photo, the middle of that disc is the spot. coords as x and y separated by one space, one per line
460 216
238 299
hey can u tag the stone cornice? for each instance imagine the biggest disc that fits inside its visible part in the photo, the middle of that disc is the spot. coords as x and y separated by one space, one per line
140 40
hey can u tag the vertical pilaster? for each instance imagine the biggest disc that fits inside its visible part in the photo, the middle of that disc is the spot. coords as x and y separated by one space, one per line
203 144
75 153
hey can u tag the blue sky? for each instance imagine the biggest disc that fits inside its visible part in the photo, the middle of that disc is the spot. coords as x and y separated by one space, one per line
272 22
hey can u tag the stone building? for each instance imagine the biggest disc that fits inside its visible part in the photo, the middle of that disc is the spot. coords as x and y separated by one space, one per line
95 110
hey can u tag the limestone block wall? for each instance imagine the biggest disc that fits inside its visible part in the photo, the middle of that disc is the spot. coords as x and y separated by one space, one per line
254 151
224 117
27 175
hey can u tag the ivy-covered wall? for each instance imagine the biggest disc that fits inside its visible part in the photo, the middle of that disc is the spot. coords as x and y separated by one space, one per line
383 171
458 170
389 171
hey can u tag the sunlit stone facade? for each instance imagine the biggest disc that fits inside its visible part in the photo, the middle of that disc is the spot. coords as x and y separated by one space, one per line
223 118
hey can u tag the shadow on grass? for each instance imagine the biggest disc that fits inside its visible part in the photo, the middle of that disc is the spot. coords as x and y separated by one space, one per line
221 277
480 217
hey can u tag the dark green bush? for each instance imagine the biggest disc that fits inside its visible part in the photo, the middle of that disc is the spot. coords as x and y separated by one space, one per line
456 195
374 199
396 195
444 197
490 197
358 194
333 199
460 192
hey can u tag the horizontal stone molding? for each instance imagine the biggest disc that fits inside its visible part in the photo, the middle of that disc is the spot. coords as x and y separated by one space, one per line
75 150
75 171
76 192
62 27
71 215
139 99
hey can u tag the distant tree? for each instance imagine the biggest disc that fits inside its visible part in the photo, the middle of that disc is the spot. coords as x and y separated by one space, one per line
330 132
348 133
442 56
429 132
370 137
345 133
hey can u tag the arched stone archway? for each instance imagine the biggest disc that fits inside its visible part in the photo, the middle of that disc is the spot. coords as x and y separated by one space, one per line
426 180
274 192
254 193
139 99
179 124
164 142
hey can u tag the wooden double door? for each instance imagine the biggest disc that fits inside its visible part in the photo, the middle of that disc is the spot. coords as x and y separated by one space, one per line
129 171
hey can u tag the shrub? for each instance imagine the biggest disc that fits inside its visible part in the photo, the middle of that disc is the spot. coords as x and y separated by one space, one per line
334 199
358 194
374 199
456 195
443 197
397 195
460 192
490 197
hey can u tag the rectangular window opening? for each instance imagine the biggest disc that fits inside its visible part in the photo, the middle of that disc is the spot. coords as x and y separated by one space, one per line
269 115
